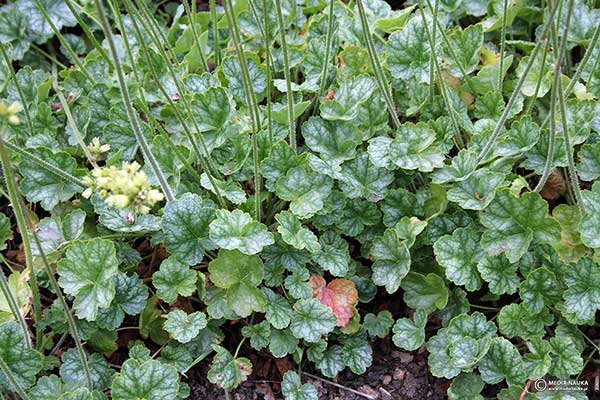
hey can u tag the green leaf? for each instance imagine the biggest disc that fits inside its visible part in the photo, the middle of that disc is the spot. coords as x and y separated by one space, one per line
589 162
38 184
566 360
233 73
119 219
502 361
279 111
459 254
293 233
18 285
330 363
240 275
334 255
304 189
150 379
466 387
517 320
229 189
477 191
5 230
282 342
72 224
424 291
582 297
212 109
475 326
277 309
400 203
87 272
378 325
570 248
130 298
71 370
293 389
514 222
226 371
281 159
23 362
311 320
297 284
174 278
357 355
460 168
356 215
391 260
258 334
410 334
396 22
348 98
499 273
413 148
333 140
439 362
185 225
409 51
590 226
39 28
538 72
541 288
185 327
13 30
538 362
487 78
236 230
467 352
466 44
361 178
409 228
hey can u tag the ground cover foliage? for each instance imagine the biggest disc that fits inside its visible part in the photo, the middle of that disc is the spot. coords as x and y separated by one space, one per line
190 184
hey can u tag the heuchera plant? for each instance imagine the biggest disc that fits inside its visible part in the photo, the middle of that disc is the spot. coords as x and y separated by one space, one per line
285 164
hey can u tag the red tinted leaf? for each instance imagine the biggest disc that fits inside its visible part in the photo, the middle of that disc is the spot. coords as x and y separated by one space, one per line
340 295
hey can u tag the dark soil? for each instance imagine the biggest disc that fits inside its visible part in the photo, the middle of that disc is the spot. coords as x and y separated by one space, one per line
393 375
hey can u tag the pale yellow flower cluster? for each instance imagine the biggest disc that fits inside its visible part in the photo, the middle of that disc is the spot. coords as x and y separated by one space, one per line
10 112
125 187
96 148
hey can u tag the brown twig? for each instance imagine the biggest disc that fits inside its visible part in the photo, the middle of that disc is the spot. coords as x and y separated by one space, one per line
525 390
356 392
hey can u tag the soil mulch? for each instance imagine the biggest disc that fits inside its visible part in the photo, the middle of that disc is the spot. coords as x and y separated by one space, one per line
393 375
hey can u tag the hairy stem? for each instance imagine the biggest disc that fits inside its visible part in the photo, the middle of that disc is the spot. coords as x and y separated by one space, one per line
379 73
502 44
191 16
13 76
19 211
44 164
13 382
215 22
515 94
286 73
64 43
569 149
160 45
190 136
14 307
132 116
72 124
250 98
88 33
451 111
